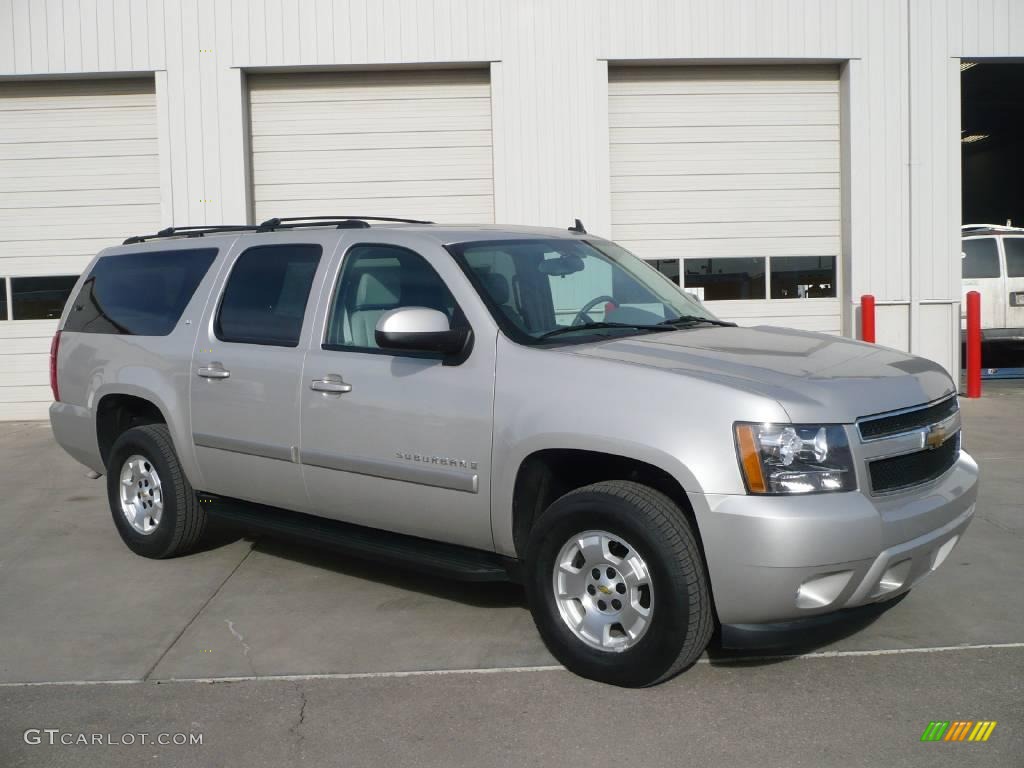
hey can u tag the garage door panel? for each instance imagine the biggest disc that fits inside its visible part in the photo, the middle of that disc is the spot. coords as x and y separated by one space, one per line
666 217
344 160
56 150
735 150
57 133
382 189
109 118
374 141
769 76
321 86
727 200
730 117
737 166
86 183
652 248
646 134
759 103
26 200
746 181
76 166
381 143
733 229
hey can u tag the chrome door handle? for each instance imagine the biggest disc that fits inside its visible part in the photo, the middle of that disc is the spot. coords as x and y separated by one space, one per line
330 384
215 371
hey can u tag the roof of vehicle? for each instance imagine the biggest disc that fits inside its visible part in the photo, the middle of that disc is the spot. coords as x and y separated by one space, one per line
442 233
977 230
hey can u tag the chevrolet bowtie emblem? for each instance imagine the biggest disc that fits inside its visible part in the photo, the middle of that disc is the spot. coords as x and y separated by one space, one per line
604 590
935 437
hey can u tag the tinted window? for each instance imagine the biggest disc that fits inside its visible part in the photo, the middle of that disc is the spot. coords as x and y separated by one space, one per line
981 258
724 279
40 298
1014 247
378 278
3 298
140 294
803 277
266 295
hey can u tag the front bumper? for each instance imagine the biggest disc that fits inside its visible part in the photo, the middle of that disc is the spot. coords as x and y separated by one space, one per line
776 558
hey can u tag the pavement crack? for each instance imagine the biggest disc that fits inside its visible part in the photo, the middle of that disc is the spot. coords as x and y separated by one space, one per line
296 729
238 636
195 616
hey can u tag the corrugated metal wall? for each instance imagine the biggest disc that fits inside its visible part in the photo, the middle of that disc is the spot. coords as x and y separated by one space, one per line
550 91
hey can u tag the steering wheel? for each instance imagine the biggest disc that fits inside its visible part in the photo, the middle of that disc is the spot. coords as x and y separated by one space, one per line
583 317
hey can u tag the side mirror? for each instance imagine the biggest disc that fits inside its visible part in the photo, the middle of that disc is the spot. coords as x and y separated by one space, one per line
418 329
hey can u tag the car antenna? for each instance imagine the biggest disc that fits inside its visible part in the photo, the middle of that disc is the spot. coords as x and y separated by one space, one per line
578 228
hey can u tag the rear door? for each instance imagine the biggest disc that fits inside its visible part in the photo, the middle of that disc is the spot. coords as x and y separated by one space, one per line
1013 247
247 368
403 442
980 270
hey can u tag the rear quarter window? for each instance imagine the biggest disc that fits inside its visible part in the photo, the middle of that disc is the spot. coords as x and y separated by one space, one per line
139 294
980 259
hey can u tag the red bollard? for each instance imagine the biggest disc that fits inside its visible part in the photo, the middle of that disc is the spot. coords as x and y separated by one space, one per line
973 344
867 318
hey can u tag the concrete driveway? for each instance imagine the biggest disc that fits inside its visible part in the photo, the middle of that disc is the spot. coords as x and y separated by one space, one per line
277 655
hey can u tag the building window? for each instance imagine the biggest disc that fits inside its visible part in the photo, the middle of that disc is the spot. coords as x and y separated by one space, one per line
758 278
727 278
40 298
803 277
3 298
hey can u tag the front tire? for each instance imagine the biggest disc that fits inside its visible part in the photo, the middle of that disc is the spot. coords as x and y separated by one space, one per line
154 506
616 584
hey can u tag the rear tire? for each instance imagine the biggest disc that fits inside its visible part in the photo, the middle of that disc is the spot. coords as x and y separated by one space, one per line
593 558
154 506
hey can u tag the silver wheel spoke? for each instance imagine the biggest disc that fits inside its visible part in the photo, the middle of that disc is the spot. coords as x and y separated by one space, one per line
141 494
603 590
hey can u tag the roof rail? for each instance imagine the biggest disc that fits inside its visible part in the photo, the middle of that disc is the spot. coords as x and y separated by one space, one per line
191 231
989 228
342 222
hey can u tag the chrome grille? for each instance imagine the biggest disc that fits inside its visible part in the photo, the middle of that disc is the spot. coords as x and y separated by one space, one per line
878 427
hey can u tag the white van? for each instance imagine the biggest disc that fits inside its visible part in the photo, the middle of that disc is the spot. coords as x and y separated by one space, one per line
992 263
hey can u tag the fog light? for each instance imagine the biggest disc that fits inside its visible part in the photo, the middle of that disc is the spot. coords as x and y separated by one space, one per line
822 590
895 576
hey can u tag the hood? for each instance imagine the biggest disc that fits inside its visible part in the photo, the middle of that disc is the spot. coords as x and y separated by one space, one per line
813 376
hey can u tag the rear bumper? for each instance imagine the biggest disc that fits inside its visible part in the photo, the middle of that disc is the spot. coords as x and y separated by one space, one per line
774 559
74 428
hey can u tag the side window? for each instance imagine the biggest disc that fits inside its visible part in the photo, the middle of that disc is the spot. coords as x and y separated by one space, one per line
266 294
1014 247
981 258
140 294
378 278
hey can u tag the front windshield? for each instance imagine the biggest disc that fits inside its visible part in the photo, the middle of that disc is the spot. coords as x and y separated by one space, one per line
573 289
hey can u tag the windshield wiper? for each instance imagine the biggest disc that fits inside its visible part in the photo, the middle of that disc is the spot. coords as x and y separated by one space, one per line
693 319
598 326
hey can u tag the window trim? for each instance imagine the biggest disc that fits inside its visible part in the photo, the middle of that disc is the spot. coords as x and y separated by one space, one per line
332 295
215 319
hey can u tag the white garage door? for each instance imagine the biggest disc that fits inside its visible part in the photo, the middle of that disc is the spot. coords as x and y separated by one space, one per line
78 172
407 144
728 177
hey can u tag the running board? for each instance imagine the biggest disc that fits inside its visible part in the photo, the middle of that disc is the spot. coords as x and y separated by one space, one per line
424 555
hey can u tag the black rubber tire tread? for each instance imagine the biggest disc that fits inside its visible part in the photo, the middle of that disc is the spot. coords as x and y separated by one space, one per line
187 520
668 525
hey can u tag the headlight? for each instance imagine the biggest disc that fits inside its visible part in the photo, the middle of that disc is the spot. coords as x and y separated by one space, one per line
794 458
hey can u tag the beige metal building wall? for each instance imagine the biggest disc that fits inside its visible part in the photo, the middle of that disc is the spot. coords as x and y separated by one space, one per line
78 171
412 144
713 164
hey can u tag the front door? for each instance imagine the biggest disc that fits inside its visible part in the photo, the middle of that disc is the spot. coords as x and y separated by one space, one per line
400 442
247 369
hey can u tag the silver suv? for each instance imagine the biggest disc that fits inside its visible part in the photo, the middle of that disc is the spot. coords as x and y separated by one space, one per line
508 403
